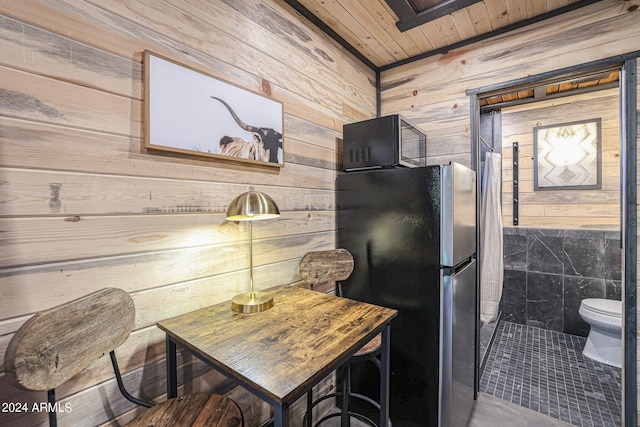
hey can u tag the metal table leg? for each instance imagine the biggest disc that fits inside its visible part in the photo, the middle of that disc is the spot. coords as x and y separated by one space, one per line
172 369
281 416
345 418
384 376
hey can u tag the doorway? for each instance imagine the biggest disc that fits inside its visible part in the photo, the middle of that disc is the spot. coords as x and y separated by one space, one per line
530 90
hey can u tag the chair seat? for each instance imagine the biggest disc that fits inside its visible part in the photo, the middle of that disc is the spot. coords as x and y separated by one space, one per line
199 409
372 346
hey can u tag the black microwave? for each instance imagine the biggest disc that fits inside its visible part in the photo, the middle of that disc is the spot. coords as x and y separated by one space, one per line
383 142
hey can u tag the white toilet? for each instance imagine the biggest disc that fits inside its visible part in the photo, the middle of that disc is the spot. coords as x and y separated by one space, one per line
604 343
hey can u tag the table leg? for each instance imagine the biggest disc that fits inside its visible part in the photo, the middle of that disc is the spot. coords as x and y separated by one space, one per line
309 409
384 376
172 369
281 416
345 418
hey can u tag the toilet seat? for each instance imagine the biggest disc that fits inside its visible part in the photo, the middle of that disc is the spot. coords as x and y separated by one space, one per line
605 307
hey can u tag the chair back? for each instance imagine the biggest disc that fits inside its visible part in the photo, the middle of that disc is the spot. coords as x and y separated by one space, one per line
320 270
56 344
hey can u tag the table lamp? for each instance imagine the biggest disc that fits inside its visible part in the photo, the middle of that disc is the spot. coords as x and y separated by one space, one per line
252 206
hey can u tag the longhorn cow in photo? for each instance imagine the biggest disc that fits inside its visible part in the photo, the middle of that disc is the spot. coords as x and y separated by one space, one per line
266 141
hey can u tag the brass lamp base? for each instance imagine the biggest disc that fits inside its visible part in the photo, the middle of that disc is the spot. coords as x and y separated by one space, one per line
252 302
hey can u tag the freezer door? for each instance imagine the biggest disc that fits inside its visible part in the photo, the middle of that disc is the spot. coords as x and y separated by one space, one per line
458 214
457 346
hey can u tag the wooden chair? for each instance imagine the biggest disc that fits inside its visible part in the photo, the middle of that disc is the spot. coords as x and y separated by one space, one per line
323 271
56 344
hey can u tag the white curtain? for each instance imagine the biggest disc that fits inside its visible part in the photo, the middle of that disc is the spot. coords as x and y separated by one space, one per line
491 256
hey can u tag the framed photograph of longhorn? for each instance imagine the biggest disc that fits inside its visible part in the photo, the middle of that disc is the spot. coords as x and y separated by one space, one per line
190 112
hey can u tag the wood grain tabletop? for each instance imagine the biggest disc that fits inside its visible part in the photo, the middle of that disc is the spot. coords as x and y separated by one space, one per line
281 351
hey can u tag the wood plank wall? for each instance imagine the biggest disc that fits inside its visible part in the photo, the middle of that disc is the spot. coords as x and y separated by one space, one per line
432 91
83 205
562 209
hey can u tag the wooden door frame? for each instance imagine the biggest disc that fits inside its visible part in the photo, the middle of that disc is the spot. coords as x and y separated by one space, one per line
628 204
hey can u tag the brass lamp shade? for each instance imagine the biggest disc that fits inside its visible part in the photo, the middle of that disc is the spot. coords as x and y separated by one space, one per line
252 206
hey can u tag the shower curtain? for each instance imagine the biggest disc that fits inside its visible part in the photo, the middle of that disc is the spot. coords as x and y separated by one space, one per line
491 256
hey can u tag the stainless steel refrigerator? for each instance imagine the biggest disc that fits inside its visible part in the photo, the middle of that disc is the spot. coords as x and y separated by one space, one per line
412 233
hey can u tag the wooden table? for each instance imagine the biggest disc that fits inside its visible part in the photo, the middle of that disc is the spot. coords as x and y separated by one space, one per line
281 353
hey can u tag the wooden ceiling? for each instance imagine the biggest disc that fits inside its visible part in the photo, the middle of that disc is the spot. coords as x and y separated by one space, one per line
370 28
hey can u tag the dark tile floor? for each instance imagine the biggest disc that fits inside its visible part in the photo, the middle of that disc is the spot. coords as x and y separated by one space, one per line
545 371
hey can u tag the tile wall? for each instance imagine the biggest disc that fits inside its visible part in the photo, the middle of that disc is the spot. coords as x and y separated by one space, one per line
547 273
